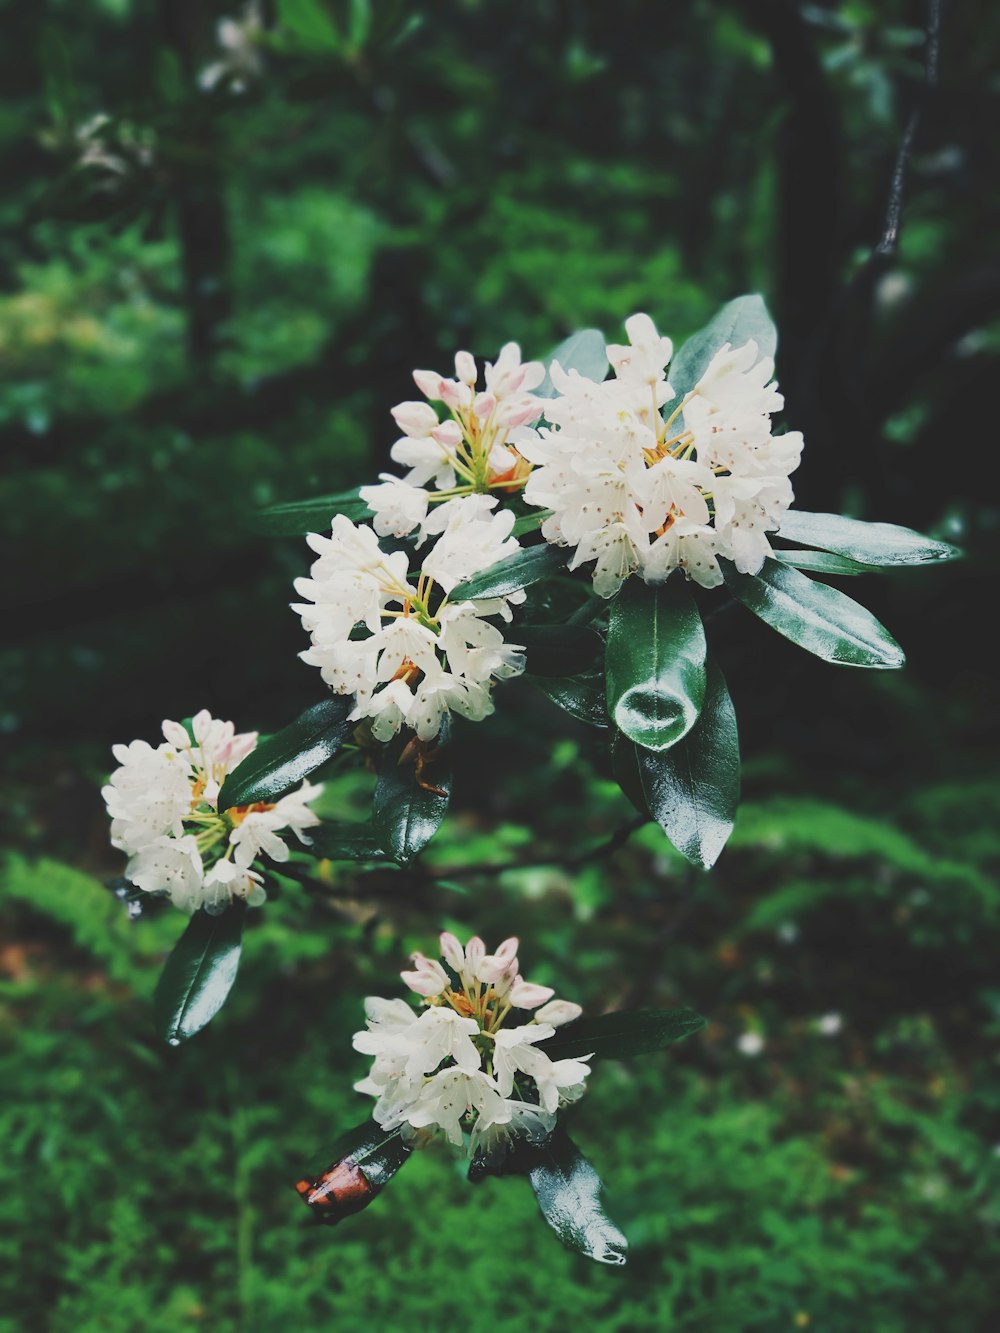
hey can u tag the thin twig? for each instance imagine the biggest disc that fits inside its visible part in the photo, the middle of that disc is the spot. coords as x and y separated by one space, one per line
889 243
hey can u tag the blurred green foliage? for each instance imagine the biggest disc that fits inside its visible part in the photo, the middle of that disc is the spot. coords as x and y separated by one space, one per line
209 299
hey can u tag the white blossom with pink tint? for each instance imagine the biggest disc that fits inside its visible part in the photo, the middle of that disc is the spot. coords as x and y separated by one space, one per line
163 803
456 1067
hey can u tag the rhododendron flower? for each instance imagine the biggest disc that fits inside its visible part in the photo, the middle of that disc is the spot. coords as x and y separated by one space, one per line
473 450
639 482
163 803
456 1067
408 654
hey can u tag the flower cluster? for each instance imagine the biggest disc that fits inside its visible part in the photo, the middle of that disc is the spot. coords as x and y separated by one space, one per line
396 642
472 451
163 803
637 490
456 1066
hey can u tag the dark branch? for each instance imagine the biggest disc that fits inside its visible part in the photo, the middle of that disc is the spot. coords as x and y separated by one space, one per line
932 61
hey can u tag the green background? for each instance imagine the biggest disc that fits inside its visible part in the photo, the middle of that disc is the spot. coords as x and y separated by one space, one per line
208 302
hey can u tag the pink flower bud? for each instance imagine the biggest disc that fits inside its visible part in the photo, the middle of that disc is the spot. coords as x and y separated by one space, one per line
176 735
475 952
428 979
416 420
465 368
429 383
526 995
452 951
484 405
507 951
558 1012
454 394
449 433
519 412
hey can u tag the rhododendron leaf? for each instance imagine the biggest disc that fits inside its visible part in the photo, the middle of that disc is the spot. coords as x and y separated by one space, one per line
557 650
583 696
693 789
883 544
569 1190
347 842
621 1035
530 522
583 352
361 1164
281 761
411 795
816 617
199 973
736 323
517 571
298 517
823 562
655 662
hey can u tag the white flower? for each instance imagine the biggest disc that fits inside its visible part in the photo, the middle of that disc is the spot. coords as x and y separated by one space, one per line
639 483
456 1066
172 866
406 652
163 804
750 1043
473 451
148 796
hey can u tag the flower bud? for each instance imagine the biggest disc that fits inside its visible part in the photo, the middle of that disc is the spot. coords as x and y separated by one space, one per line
429 977
526 995
415 419
452 951
558 1012
429 383
448 433
176 735
465 368
484 405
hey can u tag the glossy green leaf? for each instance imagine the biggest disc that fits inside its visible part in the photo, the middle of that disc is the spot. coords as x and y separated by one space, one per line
583 696
519 570
310 22
816 617
655 662
569 1191
199 973
583 352
298 517
736 323
622 1035
410 803
361 1164
693 789
281 761
347 842
530 522
823 562
883 544
557 650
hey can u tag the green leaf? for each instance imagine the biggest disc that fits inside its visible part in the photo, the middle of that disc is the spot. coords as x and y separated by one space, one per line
519 570
693 789
655 662
530 522
823 562
347 842
298 517
583 352
883 544
199 973
309 21
281 761
736 323
409 805
817 618
364 1160
583 696
557 650
622 1035
569 1190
